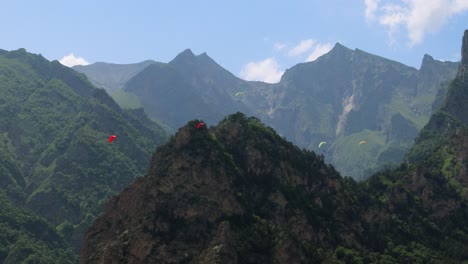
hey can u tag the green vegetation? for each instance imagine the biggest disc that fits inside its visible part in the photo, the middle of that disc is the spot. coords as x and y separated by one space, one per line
397 105
55 158
27 238
57 171
360 159
126 99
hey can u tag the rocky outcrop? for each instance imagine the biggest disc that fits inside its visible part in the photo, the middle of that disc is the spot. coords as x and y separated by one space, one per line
216 197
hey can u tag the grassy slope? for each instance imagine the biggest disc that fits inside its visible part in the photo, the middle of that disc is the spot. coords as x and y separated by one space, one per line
125 99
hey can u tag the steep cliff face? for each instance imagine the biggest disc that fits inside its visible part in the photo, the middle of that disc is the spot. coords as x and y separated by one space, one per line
190 86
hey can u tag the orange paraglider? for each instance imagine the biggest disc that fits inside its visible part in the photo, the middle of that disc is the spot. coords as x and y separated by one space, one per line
111 138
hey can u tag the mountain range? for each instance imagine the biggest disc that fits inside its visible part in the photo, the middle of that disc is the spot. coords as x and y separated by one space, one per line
344 97
238 192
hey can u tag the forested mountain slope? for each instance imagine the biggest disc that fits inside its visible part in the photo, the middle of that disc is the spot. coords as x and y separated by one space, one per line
54 127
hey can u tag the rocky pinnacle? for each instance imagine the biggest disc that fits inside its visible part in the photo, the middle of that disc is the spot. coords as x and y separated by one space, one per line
464 51
463 70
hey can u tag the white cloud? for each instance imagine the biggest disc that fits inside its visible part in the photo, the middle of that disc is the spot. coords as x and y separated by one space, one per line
418 17
371 7
70 60
301 48
266 70
393 15
269 70
429 16
319 50
279 46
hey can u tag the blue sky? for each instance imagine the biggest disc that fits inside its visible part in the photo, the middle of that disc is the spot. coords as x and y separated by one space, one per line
255 40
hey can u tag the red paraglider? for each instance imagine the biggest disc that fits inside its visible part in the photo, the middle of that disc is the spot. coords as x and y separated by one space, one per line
200 124
111 138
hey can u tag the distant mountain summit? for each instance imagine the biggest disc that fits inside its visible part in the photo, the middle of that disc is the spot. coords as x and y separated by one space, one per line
186 87
347 96
184 57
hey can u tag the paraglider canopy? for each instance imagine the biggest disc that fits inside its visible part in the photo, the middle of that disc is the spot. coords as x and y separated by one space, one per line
321 143
239 93
200 124
363 142
111 138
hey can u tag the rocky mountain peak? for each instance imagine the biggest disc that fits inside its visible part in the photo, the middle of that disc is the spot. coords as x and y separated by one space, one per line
186 60
187 52
339 46
427 62
339 49
427 58
184 57
434 66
